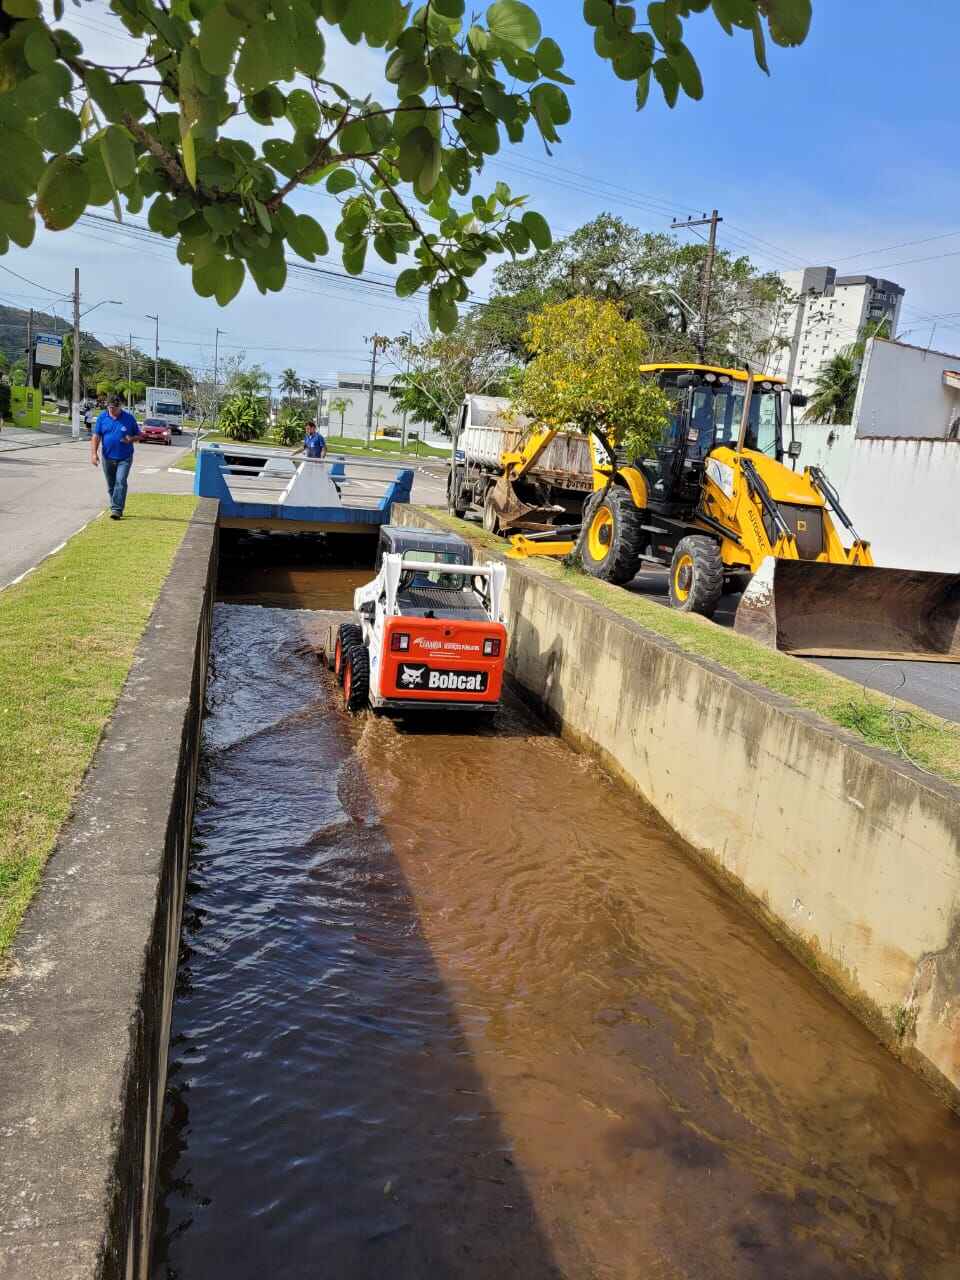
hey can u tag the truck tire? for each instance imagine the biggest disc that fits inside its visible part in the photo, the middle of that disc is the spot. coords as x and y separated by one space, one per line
454 496
348 634
612 537
491 517
356 679
696 576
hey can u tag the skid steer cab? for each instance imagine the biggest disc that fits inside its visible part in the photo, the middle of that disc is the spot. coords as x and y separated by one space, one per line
429 634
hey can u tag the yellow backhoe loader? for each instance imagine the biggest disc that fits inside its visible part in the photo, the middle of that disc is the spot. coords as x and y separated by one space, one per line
721 509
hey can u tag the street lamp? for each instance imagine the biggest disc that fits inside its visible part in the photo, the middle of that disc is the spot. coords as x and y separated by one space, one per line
156 349
75 398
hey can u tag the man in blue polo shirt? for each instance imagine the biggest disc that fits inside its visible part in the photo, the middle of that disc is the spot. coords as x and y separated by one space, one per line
113 435
314 445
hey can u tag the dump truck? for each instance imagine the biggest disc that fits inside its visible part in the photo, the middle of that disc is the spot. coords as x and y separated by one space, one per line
518 475
721 506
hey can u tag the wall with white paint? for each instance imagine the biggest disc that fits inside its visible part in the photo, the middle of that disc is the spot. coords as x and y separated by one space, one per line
902 392
828 446
902 497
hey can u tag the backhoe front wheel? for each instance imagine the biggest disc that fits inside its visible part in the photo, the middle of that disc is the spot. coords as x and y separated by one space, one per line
696 576
612 538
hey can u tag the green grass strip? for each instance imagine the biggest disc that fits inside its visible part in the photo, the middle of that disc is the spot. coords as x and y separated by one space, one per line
68 633
877 718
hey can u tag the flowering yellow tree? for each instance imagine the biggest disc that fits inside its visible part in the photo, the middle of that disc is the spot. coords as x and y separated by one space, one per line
585 372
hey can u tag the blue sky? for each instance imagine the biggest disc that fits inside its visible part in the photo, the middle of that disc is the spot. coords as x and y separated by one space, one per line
841 154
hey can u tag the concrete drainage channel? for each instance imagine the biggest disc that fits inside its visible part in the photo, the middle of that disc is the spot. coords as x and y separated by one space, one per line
849 857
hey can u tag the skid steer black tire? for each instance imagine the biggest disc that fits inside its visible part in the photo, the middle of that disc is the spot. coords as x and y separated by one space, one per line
356 679
612 538
696 576
348 634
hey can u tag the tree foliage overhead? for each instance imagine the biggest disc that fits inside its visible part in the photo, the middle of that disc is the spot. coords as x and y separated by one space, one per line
586 370
160 134
653 277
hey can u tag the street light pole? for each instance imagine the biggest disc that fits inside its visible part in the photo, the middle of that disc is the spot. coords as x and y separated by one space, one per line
156 349
216 385
75 396
408 334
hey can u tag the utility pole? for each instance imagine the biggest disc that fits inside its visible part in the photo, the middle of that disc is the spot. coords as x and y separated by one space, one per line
216 358
379 344
156 350
30 348
707 279
129 362
75 399
406 369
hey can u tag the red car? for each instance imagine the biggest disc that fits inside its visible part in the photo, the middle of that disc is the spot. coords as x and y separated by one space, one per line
156 430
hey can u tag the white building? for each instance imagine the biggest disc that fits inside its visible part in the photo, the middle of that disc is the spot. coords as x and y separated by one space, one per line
827 313
908 391
355 388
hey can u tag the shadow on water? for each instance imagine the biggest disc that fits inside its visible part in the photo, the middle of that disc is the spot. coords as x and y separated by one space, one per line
324 1117
293 571
457 1004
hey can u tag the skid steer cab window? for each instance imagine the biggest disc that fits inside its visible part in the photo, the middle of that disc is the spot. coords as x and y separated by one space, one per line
432 577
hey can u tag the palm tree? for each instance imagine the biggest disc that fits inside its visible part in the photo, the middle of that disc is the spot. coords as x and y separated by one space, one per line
289 382
340 405
835 388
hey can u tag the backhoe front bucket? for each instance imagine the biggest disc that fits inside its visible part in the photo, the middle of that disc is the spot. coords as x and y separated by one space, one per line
819 610
514 513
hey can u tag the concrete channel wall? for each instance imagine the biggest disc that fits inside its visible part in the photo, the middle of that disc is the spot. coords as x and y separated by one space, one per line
849 854
85 1012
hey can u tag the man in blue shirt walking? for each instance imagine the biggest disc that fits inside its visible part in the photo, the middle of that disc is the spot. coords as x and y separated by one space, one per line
314 445
113 435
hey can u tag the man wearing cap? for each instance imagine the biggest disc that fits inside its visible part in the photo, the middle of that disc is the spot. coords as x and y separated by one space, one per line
113 435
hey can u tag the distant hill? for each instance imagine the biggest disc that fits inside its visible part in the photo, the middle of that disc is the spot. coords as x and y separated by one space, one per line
13 331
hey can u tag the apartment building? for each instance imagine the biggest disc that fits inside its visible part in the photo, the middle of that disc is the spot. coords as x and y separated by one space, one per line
826 313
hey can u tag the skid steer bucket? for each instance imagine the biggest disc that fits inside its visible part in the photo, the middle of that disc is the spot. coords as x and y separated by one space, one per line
813 609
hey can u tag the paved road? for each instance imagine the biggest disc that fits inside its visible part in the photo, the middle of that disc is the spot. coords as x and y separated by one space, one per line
934 686
49 490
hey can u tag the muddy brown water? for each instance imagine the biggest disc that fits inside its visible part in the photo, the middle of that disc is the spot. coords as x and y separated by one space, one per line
452 1003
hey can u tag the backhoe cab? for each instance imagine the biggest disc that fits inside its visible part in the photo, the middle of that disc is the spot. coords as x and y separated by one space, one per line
721 505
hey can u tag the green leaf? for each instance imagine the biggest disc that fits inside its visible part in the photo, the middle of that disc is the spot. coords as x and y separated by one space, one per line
537 229
22 162
257 65
665 23
17 222
668 80
734 13
219 39
63 192
21 8
449 8
441 312
189 156
263 217
408 282
118 155
789 20
354 256
384 247
759 44
39 50
302 111
416 153
229 280
514 22
688 73
58 130
102 91
643 89
354 139
637 58
341 180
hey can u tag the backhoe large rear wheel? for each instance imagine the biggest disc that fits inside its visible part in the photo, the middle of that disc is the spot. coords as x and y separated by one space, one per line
356 679
696 576
612 538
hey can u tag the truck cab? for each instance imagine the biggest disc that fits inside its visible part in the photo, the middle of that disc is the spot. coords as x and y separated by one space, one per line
429 633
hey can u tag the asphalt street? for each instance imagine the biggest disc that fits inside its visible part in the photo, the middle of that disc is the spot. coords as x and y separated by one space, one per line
935 686
49 490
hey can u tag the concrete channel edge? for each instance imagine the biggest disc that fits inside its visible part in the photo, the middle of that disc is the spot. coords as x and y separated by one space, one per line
848 854
85 1010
